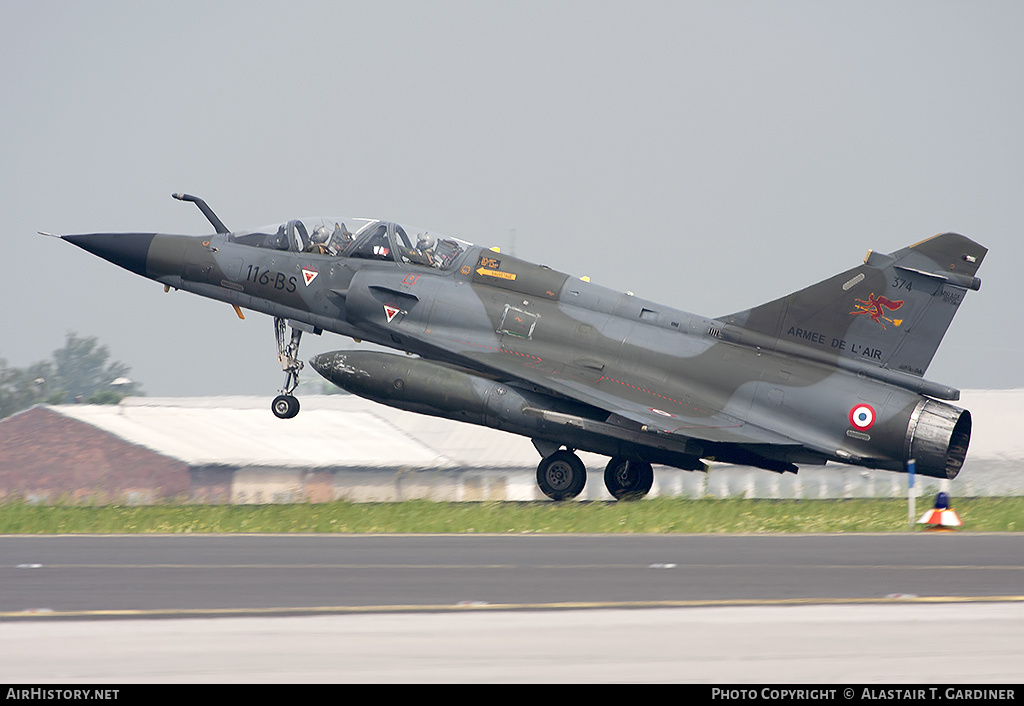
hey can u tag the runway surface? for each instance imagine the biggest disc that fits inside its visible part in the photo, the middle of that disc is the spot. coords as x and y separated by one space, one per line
524 608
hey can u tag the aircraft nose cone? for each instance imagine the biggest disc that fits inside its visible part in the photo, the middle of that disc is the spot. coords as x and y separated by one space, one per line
129 250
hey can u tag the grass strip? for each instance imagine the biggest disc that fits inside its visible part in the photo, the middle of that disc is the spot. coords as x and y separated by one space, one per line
652 516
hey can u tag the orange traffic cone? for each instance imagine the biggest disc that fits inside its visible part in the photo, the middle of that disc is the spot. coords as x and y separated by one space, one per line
942 516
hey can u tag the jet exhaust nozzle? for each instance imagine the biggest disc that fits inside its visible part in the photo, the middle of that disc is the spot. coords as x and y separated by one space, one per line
937 438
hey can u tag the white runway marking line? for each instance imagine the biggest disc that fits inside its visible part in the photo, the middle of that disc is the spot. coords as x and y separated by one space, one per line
903 599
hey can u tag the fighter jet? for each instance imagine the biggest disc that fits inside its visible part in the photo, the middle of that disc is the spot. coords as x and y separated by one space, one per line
833 372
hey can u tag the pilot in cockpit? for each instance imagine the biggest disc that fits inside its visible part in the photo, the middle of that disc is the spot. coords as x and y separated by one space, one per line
320 242
425 245
324 241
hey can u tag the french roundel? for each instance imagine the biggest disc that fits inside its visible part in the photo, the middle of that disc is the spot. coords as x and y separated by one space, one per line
862 417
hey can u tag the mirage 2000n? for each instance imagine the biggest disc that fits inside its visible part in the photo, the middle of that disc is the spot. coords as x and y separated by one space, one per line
833 372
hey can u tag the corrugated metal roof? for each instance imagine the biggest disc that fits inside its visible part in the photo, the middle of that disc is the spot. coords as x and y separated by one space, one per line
330 431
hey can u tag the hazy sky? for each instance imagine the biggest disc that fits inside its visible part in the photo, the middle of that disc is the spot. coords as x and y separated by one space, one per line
708 155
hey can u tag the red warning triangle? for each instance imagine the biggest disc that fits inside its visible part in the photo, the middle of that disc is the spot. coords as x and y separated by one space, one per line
391 312
309 274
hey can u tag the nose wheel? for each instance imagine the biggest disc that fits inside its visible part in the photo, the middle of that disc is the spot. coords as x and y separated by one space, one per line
286 405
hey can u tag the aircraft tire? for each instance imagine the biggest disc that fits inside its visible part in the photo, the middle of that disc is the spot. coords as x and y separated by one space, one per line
285 406
628 480
562 475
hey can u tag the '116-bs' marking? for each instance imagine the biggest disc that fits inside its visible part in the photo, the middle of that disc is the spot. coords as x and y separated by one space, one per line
278 280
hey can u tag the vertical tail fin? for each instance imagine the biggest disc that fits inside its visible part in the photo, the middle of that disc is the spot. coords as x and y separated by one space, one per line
892 311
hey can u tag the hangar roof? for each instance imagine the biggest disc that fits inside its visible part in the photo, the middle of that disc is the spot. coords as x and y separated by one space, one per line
330 431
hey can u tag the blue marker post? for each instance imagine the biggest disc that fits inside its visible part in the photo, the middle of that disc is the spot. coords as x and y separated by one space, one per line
911 512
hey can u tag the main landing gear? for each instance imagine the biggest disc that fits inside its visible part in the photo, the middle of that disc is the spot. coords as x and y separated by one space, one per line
286 405
561 475
628 480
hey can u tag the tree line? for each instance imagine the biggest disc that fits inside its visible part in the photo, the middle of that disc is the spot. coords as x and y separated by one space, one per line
79 372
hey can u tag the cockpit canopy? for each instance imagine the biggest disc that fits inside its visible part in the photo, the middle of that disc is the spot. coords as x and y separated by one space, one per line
357 238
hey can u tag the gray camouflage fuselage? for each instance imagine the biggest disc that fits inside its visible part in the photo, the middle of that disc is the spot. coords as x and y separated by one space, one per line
830 373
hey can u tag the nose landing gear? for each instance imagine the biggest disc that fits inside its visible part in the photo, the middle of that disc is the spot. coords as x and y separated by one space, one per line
286 405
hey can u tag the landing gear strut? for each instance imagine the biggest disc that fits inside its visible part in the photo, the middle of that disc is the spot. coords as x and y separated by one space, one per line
286 405
561 475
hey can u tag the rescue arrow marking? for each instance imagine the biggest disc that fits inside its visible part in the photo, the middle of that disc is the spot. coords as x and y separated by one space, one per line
391 312
308 275
496 273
